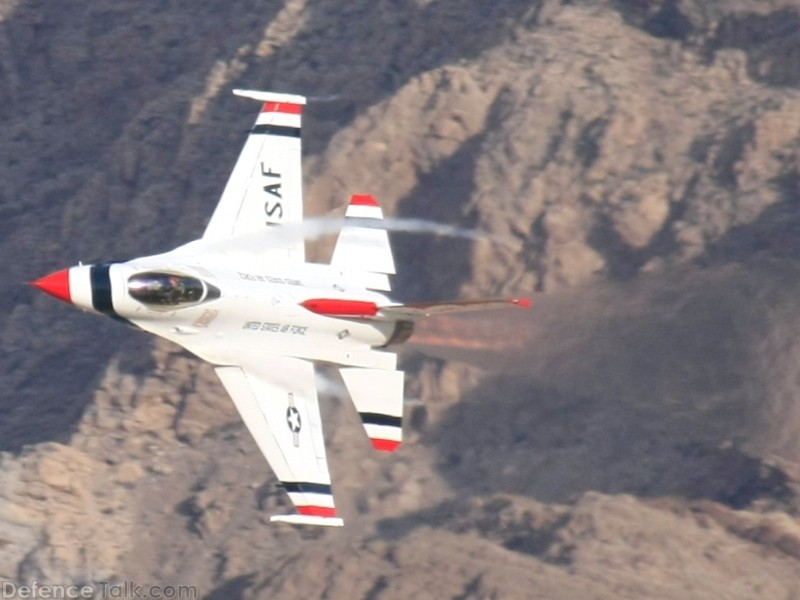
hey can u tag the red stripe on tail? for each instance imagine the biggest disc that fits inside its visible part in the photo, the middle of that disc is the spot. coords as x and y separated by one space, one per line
385 445
363 200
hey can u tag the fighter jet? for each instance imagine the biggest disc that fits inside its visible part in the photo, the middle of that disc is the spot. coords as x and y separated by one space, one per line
244 298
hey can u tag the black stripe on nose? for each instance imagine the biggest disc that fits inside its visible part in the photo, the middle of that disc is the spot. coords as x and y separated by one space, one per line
101 289
101 292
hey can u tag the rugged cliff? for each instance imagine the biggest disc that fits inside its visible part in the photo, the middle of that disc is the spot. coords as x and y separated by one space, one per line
633 165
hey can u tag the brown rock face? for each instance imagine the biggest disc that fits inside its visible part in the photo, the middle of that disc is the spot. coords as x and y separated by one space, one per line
634 165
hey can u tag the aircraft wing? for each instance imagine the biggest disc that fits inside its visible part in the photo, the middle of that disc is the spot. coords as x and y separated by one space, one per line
265 188
277 399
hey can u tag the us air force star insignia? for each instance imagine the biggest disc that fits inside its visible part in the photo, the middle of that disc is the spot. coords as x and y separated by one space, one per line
293 418
293 421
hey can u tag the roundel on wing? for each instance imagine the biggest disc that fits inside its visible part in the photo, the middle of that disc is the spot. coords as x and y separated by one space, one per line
293 419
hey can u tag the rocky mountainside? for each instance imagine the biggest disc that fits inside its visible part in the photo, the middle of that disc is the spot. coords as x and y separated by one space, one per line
635 166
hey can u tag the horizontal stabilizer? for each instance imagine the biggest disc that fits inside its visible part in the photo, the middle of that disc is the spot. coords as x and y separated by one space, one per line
364 251
378 398
425 309
308 520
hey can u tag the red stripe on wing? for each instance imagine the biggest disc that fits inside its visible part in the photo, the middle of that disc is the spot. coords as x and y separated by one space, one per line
317 511
283 107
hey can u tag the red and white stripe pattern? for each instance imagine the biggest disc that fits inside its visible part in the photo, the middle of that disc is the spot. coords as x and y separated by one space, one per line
362 250
363 206
311 499
378 397
386 438
280 114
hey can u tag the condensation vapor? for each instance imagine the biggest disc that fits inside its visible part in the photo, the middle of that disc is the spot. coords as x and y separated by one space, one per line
315 228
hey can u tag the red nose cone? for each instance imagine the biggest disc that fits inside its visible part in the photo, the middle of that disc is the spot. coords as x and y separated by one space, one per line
56 284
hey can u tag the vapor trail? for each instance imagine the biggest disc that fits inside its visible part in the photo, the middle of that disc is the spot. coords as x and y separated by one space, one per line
315 228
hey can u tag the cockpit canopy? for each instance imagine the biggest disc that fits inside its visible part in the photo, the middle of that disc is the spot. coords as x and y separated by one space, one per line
169 289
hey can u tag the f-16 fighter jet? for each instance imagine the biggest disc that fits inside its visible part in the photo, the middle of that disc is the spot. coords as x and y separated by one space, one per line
243 298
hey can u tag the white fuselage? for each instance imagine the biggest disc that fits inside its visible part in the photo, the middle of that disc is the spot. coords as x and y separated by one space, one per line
258 311
243 298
